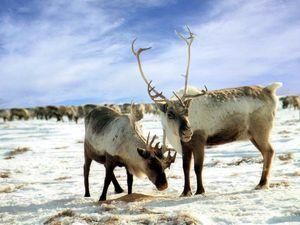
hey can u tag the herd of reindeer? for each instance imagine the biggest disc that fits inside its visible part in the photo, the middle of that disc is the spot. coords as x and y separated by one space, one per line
73 113
192 119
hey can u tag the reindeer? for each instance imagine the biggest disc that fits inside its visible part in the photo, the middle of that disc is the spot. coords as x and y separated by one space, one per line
19 113
5 114
196 118
114 140
88 107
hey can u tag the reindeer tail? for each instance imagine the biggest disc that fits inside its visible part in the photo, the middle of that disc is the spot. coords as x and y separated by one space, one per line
273 87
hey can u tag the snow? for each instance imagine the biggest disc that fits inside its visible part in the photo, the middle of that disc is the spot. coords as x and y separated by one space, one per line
45 184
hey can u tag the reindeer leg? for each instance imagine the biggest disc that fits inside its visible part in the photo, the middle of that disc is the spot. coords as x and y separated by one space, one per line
267 152
198 166
129 181
186 164
108 177
118 188
86 172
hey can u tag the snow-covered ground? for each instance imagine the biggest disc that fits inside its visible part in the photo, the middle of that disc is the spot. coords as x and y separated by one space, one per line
44 185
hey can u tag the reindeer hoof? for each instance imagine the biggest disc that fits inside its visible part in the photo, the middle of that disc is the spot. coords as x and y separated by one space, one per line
118 191
186 193
200 192
260 187
87 195
102 198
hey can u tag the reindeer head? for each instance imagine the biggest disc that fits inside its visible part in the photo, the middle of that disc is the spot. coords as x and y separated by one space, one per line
174 112
156 162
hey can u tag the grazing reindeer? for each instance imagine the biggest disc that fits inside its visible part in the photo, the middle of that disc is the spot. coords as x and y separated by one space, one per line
196 118
4 114
114 140
19 113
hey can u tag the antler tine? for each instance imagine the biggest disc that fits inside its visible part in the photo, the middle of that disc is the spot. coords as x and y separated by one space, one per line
137 55
156 95
173 157
153 139
147 142
140 49
192 35
203 92
180 100
189 39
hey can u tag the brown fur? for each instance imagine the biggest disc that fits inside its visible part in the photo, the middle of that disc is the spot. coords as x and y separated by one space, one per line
101 117
19 113
245 91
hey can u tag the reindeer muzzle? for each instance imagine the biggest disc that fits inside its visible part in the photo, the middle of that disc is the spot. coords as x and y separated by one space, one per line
161 182
186 135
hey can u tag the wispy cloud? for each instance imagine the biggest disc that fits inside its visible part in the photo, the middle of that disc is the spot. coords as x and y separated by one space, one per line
78 51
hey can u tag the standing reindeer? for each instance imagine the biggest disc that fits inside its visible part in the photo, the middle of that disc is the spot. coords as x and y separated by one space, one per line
114 140
195 118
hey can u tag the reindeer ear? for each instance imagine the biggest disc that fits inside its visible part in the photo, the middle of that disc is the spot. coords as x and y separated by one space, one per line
143 153
162 107
188 102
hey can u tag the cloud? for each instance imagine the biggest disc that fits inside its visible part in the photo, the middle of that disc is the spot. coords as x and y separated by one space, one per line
250 42
59 51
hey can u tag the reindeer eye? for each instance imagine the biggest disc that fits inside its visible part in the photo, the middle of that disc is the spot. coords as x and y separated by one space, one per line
171 115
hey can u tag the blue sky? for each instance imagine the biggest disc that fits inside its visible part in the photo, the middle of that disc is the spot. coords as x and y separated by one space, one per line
77 52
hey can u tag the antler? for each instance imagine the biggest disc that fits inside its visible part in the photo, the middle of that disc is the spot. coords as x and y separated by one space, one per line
156 94
149 145
159 151
189 40
169 159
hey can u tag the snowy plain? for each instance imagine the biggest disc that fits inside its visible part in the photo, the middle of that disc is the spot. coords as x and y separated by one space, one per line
45 184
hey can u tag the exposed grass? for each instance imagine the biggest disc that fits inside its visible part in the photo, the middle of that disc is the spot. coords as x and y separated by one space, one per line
295 174
17 151
286 157
279 184
180 218
8 188
131 198
61 147
74 218
53 220
4 174
63 178
244 160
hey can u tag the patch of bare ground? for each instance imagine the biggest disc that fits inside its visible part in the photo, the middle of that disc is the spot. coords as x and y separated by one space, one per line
79 142
68 216
295 174
55 220
8 188
286 157
61 147
173 176
244 160
284 132
107 207
131 198
4 174
215 163
63 178
279 184
17 151
180 218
